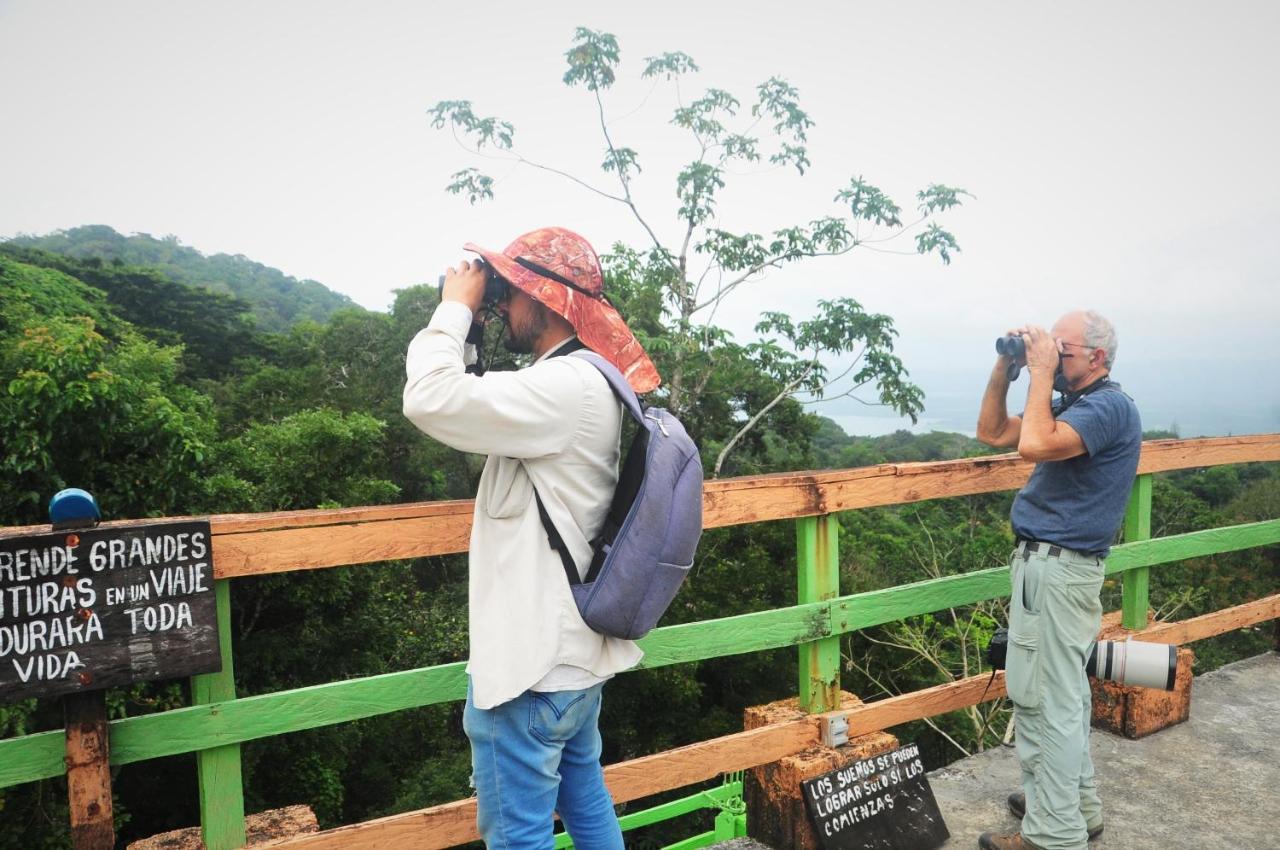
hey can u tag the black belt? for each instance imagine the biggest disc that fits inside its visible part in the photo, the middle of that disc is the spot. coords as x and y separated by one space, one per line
1031 547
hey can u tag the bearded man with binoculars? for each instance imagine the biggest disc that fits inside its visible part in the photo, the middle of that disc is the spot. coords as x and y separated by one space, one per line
1085 446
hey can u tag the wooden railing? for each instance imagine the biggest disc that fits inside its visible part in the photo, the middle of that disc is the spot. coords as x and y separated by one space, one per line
218 723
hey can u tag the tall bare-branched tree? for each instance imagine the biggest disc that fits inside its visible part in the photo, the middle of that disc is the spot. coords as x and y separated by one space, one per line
707 264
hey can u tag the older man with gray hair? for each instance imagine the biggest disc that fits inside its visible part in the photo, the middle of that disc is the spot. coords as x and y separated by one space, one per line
1085 446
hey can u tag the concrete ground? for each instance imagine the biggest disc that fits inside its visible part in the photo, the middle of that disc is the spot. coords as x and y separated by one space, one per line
1212 783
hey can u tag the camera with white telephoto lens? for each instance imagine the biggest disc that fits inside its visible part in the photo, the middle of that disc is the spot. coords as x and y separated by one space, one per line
1125 662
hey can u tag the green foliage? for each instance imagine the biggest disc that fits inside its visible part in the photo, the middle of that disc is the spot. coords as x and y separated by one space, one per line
310 459
112 418
28 292
213 328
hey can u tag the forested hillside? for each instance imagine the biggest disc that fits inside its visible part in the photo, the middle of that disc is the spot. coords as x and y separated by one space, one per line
165 398
277 300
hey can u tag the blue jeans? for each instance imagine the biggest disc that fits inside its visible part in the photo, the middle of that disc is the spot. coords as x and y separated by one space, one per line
537 754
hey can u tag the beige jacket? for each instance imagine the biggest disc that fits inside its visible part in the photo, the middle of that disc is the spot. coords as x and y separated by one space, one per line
555 423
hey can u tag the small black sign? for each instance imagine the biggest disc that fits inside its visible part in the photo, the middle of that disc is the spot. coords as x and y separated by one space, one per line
92 608
880 803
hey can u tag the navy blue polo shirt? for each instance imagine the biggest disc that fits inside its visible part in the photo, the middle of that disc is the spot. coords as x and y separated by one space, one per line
1079 503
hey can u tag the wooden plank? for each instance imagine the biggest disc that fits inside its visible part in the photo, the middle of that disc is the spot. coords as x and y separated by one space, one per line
294 540
930 702
274 520
202 727
425 829
313 547
903 483
1215 623
1167 455
641 777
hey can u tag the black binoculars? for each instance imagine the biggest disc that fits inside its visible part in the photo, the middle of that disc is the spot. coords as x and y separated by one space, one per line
495 287
1015 348
1011 346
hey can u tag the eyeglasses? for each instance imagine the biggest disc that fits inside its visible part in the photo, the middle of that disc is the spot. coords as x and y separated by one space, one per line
1073 345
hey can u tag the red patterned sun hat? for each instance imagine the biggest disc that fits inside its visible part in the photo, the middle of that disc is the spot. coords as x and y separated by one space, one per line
560 270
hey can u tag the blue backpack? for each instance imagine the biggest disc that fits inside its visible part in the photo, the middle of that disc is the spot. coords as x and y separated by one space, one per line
645 549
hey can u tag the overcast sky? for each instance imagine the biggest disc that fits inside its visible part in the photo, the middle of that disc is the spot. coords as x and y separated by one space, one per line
1123 157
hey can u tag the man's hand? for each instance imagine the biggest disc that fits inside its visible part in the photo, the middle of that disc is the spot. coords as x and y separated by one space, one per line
1043 351
465 284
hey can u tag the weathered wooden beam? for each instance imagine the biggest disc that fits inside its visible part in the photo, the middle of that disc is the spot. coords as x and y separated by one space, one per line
1215 623
253 544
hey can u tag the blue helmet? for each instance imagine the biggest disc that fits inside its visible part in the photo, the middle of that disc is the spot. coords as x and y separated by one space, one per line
73 504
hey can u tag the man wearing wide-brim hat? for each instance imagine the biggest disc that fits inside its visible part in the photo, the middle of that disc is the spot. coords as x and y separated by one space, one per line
536 670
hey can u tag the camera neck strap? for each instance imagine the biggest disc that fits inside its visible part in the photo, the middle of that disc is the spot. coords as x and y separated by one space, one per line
1065 400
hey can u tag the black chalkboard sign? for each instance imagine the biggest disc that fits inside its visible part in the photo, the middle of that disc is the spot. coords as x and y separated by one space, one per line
92 608
880 803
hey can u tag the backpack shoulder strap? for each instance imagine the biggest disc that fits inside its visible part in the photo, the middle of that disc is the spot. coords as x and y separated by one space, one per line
625 394
628 397
617 382
556 541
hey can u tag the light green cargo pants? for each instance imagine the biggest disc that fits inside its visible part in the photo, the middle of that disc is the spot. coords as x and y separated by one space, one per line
1054 617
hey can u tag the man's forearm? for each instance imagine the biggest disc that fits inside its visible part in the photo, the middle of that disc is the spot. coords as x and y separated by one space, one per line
993 417
1037 420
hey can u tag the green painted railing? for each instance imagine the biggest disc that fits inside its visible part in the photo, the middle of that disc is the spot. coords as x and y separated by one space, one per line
217 723
731 822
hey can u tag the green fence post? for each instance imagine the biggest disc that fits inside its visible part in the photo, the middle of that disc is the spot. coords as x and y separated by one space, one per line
1137 526
817 546
221 785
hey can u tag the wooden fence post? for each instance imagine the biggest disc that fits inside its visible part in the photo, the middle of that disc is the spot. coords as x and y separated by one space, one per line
817 545
88 771
218 768
1137 526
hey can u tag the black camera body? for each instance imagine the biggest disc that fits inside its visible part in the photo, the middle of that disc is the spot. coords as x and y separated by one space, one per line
998 648
495 287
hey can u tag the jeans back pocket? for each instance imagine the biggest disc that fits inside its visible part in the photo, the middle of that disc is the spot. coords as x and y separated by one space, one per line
556 716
